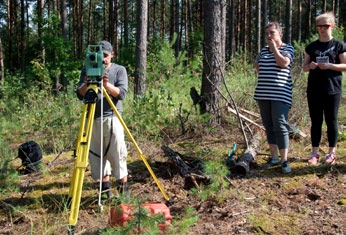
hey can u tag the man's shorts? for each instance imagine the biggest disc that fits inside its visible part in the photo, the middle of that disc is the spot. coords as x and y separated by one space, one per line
114 149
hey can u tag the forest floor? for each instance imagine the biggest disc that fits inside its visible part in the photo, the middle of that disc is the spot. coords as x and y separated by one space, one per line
308 201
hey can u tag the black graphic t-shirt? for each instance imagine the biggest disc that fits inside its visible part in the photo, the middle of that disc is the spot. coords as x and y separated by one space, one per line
325 81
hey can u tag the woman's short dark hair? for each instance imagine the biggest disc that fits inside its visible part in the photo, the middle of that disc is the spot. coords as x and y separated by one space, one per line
275 24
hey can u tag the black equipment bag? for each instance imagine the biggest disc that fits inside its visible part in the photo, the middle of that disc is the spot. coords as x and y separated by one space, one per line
31 155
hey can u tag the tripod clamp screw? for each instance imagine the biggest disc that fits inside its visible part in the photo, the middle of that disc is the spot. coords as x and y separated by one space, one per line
90 97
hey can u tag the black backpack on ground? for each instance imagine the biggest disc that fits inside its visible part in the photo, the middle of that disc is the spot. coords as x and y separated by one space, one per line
31 155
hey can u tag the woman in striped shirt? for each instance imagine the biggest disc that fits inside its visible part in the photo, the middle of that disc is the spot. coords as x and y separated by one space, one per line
274 92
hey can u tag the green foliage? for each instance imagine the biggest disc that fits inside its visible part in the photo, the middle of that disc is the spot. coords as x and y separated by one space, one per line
161 104
163 65
342 136
56 60
9 181
182 224
27 114
148 112
145 223
196 42
8 176
14 86
338 33
142 222
240 81
218 187
127 58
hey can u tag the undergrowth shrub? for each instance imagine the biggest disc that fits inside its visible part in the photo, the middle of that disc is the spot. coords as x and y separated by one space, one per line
218 187
184 222
8 176
240 82
41 116
167 98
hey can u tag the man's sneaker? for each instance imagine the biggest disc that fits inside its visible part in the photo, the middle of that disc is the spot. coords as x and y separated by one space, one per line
273 161
330 158
285 167
313 159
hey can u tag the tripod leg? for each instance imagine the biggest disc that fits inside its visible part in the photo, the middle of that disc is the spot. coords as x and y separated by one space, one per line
136 145
81 161
81 133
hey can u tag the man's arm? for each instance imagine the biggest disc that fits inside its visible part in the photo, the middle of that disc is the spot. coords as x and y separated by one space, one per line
119 89
83 85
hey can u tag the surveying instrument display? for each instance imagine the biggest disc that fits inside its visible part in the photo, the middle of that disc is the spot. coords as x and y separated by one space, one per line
94 66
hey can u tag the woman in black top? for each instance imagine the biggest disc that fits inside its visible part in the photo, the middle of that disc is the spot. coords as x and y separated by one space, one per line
324 60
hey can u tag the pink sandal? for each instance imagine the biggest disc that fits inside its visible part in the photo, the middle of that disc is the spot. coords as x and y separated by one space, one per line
313 159
330 158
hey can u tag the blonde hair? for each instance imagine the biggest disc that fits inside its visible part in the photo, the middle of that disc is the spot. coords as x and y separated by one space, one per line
326 16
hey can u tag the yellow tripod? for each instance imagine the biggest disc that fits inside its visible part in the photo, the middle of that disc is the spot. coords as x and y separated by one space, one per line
83 146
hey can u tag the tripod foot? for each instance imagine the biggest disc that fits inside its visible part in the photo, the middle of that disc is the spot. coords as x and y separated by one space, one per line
100 208
169 202
71 229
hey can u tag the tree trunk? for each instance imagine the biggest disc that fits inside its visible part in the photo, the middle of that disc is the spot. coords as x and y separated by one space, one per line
90 22
244 22
184 23
176 27
230 43
141 47
343 17
40 5
63 22
80 29
111 22
264 20
249 27
22 35
78 19
126 24
11 13
299 16
171 20
105 31
116 26
163 19
337 11
324 5
288 26
190 28
213 58
258 26
2 68
307 25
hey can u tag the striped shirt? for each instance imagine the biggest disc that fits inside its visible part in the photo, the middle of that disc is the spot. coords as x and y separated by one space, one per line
274 82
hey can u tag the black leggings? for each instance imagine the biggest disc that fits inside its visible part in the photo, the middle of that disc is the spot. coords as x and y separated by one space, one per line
327 105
